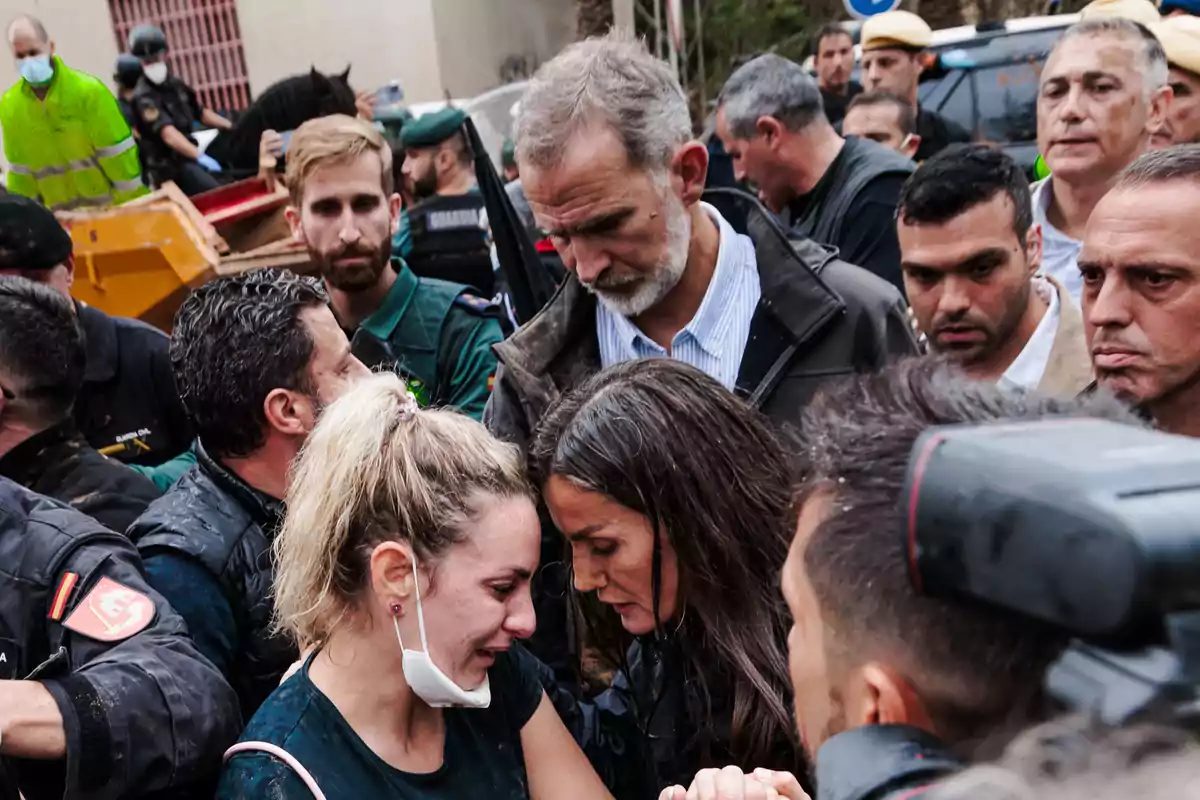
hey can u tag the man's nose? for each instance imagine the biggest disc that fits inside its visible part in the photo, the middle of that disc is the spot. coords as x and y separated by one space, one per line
1108 306
349 232
1072 108
590 261
954 299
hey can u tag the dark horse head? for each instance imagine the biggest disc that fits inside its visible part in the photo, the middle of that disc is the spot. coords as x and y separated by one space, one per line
283 106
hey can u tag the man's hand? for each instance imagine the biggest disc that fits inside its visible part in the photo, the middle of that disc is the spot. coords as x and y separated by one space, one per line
365 103
731 783
270 150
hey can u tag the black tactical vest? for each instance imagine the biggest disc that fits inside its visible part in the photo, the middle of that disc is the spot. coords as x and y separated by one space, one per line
449 242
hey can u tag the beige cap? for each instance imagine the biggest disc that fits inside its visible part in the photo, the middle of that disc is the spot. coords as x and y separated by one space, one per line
1180 37
897 29
1142 11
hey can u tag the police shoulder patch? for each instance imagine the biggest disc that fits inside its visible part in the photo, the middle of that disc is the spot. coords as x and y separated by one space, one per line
111 612
475 303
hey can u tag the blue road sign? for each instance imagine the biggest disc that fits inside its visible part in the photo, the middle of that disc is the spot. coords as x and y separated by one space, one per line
861 9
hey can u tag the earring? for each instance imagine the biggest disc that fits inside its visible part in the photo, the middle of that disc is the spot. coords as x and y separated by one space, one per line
396 609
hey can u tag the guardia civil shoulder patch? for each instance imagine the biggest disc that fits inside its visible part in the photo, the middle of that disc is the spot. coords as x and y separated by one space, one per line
111 612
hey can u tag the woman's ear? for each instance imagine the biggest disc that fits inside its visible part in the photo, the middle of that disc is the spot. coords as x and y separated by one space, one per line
392 576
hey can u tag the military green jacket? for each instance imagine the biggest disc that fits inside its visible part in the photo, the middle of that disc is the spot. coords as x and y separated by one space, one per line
438 337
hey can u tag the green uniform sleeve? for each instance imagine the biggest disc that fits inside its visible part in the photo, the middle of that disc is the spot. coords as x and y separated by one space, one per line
469 360
164 475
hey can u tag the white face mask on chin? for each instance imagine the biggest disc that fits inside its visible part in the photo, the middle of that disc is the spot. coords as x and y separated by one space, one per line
156 73
425 679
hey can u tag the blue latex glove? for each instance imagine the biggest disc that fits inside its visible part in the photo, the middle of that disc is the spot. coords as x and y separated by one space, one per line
209 163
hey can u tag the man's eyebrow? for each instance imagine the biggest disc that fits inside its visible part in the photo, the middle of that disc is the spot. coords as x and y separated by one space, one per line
599 224
984 258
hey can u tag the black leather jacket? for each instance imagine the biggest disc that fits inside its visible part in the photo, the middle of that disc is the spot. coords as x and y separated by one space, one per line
213 518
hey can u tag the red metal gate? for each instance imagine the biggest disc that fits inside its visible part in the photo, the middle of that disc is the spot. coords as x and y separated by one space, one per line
206 44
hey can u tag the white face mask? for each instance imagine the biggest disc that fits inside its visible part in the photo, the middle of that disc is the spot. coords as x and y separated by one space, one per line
156 73
38 70
427 681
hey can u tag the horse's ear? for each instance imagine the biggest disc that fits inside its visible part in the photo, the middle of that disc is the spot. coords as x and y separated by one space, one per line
345 76
315 74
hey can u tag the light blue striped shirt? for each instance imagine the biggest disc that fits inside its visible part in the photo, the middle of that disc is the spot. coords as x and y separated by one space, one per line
715 339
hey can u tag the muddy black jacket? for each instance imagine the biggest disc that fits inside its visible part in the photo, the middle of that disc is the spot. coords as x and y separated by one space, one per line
59 463
212 519
145 715
819 318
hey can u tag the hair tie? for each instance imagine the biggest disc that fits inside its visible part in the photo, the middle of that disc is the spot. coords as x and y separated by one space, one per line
408 406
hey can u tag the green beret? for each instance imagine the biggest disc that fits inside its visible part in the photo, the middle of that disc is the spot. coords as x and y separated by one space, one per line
508 153
430 130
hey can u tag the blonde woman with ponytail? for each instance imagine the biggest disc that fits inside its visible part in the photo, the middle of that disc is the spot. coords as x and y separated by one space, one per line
404 564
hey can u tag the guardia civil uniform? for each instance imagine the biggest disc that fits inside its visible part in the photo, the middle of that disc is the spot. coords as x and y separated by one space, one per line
437 336
448 232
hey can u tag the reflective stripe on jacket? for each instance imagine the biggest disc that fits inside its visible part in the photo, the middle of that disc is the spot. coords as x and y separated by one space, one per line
72 149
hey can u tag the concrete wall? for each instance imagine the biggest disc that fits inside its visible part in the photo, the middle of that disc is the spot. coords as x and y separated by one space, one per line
478 40
382 40
82 34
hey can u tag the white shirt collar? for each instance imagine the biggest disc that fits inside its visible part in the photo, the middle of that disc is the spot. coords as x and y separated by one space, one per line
1029 366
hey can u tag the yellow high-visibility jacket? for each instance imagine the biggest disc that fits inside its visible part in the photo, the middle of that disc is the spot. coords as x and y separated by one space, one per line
72 149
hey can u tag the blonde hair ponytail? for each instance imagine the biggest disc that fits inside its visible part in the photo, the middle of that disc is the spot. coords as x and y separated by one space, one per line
378 469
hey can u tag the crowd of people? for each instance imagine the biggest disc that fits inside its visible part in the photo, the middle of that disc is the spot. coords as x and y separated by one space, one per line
361 534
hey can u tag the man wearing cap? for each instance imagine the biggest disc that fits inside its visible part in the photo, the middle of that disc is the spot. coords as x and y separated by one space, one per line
168 110
1180 38
65 139
1140 11
508 161
893 57
1102 91
128 408
449 233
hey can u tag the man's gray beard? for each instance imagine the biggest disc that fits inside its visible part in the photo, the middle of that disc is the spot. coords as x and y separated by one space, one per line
667 274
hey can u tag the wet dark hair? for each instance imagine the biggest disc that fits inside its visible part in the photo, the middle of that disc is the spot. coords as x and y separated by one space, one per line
41 348
977 669
961 177
665 440
235 340
824 32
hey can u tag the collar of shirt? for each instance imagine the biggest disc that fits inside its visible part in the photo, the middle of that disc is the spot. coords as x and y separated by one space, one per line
1029 366
727 308
383 322
1059 251
266 511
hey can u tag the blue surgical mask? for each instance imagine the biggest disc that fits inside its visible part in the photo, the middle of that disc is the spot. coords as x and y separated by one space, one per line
424 677
38 70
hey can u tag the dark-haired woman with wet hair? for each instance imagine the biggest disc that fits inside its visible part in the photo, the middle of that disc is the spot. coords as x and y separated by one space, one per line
673 495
